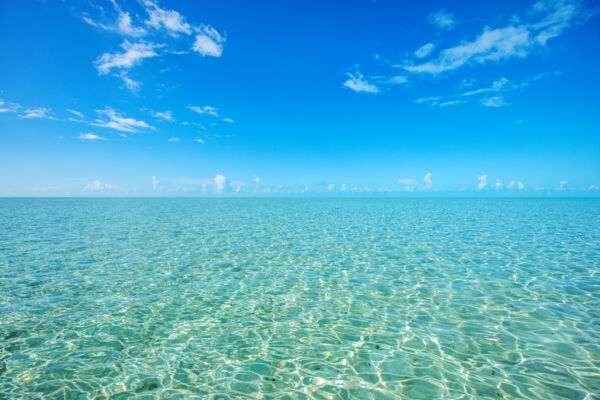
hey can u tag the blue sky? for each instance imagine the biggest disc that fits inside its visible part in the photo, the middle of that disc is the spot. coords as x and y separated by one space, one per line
177 98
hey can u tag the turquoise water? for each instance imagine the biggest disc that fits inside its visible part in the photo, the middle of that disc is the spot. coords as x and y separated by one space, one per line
291 298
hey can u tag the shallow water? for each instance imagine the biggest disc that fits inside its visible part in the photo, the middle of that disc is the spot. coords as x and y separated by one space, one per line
291 298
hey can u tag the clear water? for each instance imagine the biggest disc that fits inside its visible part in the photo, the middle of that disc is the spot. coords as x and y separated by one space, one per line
290 298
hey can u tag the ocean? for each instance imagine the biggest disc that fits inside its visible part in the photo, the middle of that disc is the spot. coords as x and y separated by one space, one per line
287 298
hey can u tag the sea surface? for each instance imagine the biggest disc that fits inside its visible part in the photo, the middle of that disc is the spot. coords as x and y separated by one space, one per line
300 298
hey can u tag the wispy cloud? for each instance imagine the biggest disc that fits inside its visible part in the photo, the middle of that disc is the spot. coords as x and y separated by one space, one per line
489 96
171 20
116 121
206 110
75 112
155 183
164 115
424 50
201 141
548 20
228 120
494 101
358 83
90 136
173 139
8 107
39 112
442 19
133 55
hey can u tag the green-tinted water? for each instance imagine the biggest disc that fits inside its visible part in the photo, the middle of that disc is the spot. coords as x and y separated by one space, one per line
343 299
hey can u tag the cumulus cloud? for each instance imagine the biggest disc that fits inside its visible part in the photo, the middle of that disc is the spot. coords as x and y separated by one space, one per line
358 83
208 42
90 136
344 187
511 185
97 186
206 110
515 40
593 187
331 187
428 182
442 19
114 120
220 182
482 181
520 185
155 183
424 50
498 184
132 55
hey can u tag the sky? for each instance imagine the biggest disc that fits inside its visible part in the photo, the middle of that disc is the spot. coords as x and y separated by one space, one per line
302 98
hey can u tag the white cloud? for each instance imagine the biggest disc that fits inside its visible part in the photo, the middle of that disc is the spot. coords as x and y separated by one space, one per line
97 186
170 20
164 115
498 184
199 140
90 136
424 50
407 181
256 180
39 112
593 187
117 122
521 185
206 110
511 41
155 183
344 187
511 185
428 182
11 107
442 19
395 80
228 120
133 55
209 42
125 26
562 185
237 186
173 139
494 101
75 112
129 83
331 187
220 182
482 181
358 83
